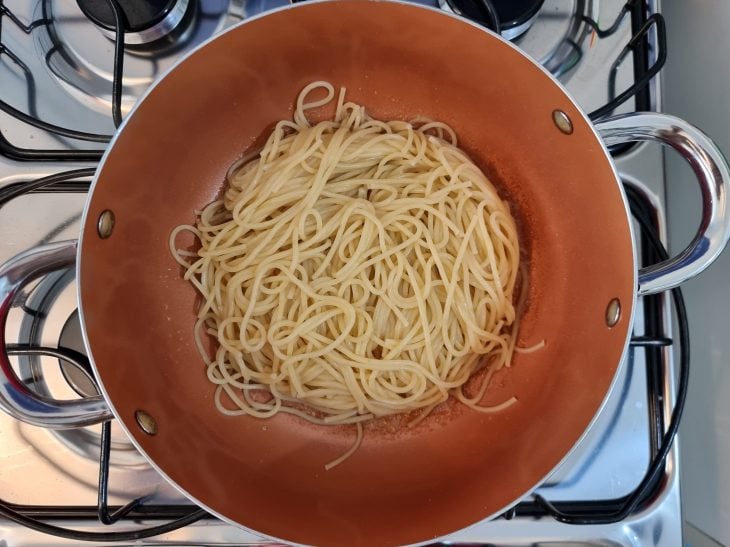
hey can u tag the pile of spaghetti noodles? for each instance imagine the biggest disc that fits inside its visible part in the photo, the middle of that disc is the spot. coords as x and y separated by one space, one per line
354 268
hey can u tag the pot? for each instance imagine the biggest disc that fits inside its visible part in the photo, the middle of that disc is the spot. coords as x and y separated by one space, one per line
401 61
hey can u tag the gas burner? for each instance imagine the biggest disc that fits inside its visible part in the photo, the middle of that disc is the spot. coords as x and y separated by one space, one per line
145 21
558 35
51 305
79 376
516 16
80 55
557 31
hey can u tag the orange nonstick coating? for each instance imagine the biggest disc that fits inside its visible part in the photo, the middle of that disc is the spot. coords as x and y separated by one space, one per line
404 484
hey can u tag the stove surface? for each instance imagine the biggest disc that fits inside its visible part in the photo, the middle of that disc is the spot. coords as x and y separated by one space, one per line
71 66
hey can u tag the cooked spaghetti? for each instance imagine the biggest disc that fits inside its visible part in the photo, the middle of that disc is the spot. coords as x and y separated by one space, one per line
354 268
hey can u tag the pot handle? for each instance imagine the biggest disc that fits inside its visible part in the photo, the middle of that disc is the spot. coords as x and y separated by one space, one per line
713 176
15 397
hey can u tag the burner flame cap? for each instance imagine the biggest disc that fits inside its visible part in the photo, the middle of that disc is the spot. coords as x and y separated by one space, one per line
144 20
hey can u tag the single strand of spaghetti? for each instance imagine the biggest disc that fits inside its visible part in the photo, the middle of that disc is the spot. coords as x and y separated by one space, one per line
173 246
508 245
423 317
302 106
530 349
350 452
452 284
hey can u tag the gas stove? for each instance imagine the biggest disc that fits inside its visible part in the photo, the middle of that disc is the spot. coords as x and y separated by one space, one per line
61 63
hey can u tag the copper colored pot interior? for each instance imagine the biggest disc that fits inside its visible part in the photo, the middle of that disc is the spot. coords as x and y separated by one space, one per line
402 485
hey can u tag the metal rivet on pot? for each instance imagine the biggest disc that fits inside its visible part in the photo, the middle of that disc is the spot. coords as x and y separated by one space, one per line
562 122
613 312
145 422
105 225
